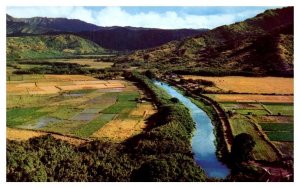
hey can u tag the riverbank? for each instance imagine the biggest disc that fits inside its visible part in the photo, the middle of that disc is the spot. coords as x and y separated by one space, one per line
203 139
223 132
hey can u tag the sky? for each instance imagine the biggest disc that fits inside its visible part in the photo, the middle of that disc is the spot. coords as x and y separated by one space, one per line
150 17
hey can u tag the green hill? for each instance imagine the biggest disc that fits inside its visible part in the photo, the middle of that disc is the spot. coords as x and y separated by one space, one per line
49 46
262 45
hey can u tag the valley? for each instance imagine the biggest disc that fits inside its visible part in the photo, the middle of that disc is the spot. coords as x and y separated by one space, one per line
102 104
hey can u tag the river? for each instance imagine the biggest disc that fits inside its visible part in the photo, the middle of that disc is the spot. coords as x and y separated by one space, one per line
203 145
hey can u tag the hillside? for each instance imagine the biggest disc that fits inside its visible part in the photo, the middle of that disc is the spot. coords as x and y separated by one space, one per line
262 45
42 25
113 38
131 38
48 46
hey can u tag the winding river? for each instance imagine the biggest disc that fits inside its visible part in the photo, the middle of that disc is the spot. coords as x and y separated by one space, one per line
203 138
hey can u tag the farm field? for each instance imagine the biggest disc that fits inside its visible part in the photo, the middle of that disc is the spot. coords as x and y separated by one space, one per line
274 119
75 105
257 114
88 62
258 85
49 84
262 151
22 134
252 98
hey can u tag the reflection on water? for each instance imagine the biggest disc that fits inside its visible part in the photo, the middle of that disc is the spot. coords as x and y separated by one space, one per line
203 139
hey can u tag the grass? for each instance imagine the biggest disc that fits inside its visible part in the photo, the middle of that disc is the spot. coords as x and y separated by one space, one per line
262 150
65 112
279 131
287 136
18 116
89 128
125 100
277 126
254 112
283 109
26 100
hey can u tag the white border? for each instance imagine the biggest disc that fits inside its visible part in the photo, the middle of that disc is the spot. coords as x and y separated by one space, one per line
5 3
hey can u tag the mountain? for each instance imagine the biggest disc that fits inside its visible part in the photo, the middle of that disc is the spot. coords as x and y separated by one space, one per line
114 38
132 38
262 45
42 25
49 46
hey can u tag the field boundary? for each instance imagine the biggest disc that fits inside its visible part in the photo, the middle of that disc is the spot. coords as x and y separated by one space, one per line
265 137
54 134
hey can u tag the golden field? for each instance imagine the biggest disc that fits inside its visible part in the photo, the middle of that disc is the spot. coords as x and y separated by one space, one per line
243 84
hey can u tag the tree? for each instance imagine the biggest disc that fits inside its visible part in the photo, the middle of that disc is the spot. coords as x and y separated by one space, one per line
150 74
174 100
242 146
152 171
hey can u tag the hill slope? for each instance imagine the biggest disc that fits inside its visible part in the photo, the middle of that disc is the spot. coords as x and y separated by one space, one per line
48 46
114 38
131 38
42 25
262 45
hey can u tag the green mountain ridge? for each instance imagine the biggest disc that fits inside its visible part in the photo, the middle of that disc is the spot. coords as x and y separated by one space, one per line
49 46
262 45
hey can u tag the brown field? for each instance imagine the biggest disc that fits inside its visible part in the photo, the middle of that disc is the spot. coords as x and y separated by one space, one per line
21 134
275 119
243 84
251 98
51 84
90 62
119 130
143 110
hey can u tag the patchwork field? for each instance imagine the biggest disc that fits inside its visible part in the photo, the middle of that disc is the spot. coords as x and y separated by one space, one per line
51 84
76 105
274 120
268 118
243 84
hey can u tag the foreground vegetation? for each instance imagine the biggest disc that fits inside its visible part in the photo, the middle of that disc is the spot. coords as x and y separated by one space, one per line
161 153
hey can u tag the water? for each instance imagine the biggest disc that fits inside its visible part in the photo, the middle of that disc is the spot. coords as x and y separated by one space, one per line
203 139
44 121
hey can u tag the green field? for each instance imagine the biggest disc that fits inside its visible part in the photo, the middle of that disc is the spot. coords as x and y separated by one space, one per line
275 119
279 131
283 109
19 116
251 112
75 112
124 100
277 126
94 125
262 150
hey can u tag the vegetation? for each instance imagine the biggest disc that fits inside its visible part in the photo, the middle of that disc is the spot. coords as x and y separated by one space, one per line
279 131
165 145
262 150
94 125
241 149
18 116
260 46
49 46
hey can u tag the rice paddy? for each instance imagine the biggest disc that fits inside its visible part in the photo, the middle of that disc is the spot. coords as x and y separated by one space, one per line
76 105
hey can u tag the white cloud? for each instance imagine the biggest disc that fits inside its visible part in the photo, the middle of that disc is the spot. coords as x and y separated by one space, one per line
117 16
